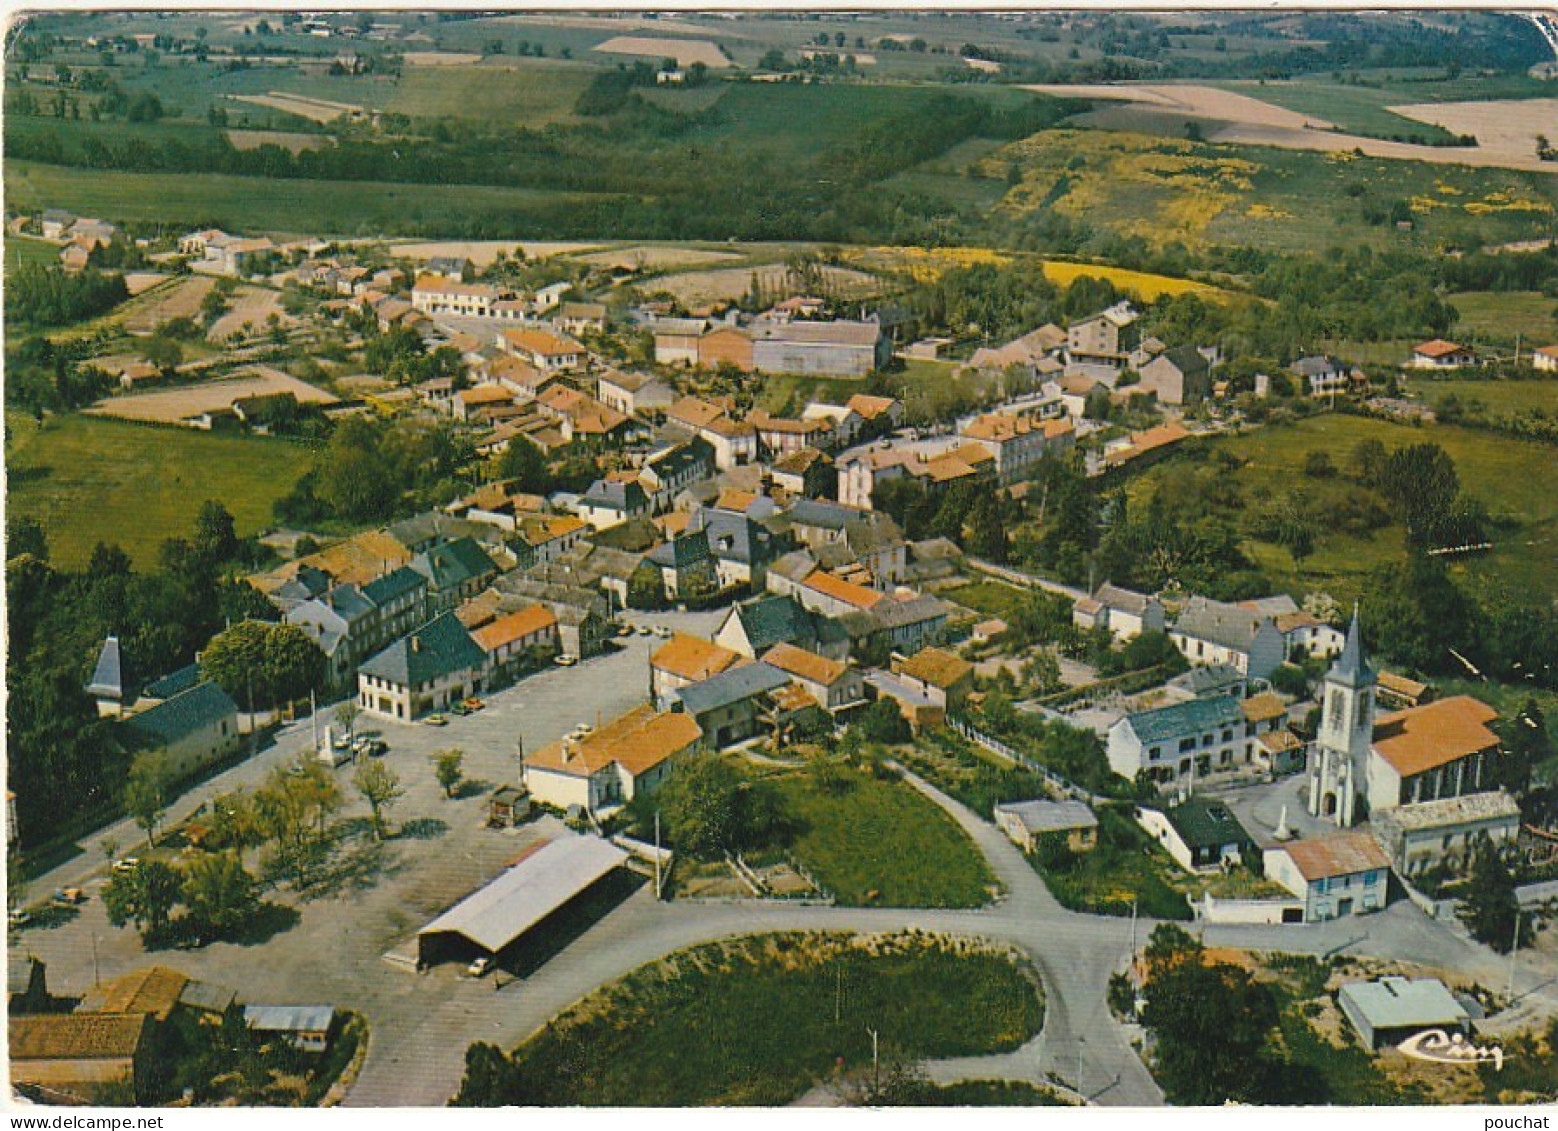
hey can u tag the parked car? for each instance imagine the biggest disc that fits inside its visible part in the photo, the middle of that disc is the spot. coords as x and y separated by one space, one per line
645 630
435 721
127 864
474 704
565 661
480 966
459 709
662 632
625 630
70 896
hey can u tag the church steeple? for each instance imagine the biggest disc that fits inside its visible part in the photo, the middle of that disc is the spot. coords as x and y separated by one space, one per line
1351 667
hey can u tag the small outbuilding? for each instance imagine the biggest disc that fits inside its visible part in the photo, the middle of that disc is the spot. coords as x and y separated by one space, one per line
507 807
1391 1010
305 1027
1026 821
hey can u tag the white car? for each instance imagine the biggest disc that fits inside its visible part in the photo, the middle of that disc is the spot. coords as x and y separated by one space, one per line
480 966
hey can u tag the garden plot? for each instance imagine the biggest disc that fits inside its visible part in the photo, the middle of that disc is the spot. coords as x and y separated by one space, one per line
686 52
249 312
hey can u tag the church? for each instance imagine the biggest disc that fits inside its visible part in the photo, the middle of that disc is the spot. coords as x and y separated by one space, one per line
1364 762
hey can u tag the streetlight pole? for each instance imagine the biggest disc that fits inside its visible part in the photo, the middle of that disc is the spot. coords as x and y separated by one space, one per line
657 854
1513 951
876 1075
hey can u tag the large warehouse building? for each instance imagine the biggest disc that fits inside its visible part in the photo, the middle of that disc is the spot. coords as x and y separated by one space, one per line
492 922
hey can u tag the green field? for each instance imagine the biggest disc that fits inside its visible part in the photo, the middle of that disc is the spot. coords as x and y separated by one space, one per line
21 250
1496 317
880 843
1498 398
1515 479
1353 109
757 1021
321 208
90 481
533 94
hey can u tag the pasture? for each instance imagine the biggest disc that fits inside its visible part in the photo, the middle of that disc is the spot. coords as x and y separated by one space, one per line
1497 316
90 481
534 93
704 288
23 250
1498 398
1352 109
284 207
1513 478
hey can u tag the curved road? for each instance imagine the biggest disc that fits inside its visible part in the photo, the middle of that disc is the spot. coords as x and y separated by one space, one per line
1075 954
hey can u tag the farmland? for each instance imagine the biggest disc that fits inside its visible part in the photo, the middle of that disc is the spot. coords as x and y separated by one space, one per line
297 207
91 480
1499 398
1491 316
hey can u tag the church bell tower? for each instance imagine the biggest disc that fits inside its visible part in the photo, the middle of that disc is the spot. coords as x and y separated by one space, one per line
1339 763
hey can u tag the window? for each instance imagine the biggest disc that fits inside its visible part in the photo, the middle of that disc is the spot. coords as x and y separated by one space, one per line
1186 744
1227 736
1155 753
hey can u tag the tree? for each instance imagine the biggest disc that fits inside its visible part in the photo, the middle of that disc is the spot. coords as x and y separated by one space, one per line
883 722
26 536
144 895
1368 461
1489 909
163 352
524 465
216 534
219 892
380 788
491 1079
448 768
146 791
702 804
1421 480
262 664
1210 1022
346 715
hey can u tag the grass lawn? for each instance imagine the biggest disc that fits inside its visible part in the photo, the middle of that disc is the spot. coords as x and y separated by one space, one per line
1125 866
757 1021
91 481
1516 479
1498 316
996 598
1498 398
279 206
879 843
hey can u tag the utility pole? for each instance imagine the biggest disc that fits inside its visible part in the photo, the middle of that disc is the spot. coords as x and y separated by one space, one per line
1513 951
1133 941
657 854
96 977
876 1075
313 719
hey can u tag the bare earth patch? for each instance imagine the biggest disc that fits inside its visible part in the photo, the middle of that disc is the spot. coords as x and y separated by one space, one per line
440 58
614 23
637 258
314 109
1499 127
700 288
171 406
248 311
138 282
179 301
483 252
292 143
686 52
1237 119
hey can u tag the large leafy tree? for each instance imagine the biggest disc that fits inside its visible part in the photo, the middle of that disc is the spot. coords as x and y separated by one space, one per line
144 895
491 1079
272 663
1490 910
1211 1022
380 788
1422 481
146 791
219 892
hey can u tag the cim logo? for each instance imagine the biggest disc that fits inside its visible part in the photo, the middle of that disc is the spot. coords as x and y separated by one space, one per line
1438 1047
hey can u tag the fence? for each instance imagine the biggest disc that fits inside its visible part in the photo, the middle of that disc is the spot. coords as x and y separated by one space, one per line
1058 780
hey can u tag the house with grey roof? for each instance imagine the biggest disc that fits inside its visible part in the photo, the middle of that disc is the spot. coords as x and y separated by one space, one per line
754 626
1180 376
741 548
1321 374
905 624
1124 612
611 502
349 623
455 571
730 707
429 669
1179 741
193 729
1201 835
1212 632
819 349
686 564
